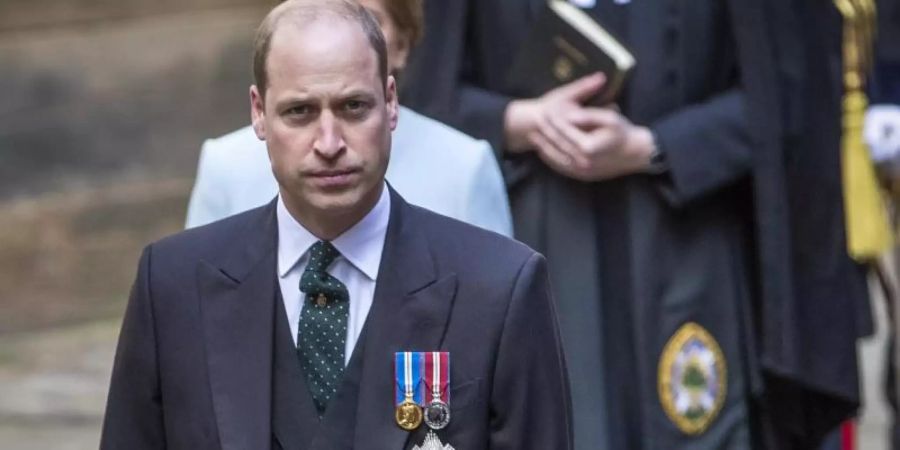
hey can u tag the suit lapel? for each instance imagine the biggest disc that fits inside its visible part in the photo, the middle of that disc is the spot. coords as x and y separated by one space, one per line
237 305
409 313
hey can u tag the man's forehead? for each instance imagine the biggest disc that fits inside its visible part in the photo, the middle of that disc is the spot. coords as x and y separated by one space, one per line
325 88
331 38
322 57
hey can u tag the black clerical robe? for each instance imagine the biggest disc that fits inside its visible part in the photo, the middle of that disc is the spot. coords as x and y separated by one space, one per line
632 260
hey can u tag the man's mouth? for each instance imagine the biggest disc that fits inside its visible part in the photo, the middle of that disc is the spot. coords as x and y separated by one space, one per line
333 178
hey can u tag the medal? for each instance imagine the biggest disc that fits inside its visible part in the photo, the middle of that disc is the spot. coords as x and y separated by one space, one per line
408 374
433 443
437 379
408 415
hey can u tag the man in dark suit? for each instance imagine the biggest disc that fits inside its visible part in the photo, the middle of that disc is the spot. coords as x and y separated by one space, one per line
278 327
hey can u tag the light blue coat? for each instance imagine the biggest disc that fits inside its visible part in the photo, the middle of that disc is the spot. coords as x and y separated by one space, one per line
432 166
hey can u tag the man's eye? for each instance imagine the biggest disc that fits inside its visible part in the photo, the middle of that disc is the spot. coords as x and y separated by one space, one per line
356 109
355 105
301 110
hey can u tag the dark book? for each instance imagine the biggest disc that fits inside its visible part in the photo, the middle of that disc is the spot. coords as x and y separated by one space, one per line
564 45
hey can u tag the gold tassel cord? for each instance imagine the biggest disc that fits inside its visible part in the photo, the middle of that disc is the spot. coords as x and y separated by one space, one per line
868 231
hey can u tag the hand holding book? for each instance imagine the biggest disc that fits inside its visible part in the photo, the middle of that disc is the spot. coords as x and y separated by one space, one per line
586 143
566 44
570 71
526 116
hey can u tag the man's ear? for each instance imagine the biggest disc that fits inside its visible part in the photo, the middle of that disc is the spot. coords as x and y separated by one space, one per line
391 102
258 113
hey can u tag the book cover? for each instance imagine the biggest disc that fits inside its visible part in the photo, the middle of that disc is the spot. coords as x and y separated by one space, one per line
564 45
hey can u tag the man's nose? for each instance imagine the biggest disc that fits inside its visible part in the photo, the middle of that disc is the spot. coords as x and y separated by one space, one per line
330 141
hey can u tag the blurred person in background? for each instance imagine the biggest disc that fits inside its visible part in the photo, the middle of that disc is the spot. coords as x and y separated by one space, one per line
882 131
882 134
432 165
818 293
673 217
643 208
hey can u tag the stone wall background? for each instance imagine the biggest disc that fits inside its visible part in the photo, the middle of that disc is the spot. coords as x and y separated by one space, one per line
105 106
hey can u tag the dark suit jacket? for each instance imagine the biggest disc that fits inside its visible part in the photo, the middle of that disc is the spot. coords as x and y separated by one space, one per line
194 364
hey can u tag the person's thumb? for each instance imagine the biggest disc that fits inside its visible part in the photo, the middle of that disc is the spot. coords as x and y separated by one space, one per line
583 88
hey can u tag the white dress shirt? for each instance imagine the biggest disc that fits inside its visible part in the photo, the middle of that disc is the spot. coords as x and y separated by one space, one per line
357 267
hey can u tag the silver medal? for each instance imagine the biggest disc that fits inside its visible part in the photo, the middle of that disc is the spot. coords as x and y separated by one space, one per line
437 415
437 412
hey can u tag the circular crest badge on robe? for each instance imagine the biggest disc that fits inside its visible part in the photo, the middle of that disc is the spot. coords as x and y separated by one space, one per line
692 379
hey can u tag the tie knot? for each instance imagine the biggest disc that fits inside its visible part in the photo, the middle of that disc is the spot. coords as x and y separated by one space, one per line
321 255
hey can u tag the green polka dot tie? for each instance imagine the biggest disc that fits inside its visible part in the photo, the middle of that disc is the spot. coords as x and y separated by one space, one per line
323 325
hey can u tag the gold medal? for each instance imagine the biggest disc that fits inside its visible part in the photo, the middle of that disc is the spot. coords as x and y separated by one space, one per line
408 412
408 415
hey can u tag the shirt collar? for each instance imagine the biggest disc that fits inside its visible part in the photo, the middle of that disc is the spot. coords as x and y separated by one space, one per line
361 245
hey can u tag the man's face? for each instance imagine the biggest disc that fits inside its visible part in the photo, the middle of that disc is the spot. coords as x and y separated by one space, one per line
327 117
